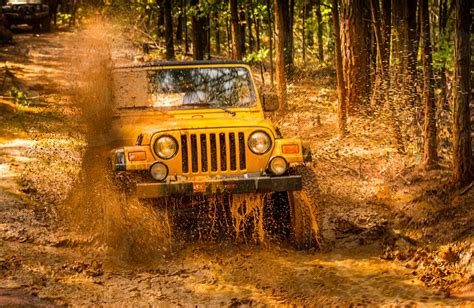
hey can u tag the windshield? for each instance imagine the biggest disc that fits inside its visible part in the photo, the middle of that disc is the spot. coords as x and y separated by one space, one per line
184 88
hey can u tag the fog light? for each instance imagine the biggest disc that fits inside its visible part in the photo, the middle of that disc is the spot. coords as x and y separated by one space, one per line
278 165
159 171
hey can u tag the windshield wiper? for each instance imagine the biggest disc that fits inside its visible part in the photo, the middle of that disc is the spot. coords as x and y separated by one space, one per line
134 107
233 113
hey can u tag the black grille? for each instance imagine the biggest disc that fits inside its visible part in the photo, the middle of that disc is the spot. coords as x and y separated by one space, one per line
209 152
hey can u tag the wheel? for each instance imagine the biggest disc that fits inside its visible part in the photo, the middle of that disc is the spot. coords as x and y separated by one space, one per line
291 216
46 24
304 226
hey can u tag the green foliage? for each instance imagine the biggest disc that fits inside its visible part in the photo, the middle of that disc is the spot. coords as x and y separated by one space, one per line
19 97
258 56
443 55
63 19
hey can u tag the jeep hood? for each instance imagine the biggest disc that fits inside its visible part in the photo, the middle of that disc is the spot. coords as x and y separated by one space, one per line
127 129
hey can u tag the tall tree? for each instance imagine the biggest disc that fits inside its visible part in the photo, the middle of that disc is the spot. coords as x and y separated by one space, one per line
270 40
237 50
319 20
180 20
217 32
430 155
382 81
308 17
462 143
341 86
404 51
280 53
287 7
199 35
354 54
168 29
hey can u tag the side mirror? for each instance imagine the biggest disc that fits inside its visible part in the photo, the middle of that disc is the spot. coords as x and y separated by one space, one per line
270 101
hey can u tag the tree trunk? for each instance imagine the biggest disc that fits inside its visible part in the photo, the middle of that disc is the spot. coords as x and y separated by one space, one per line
168 29
463 172
186 38
287 21
280 53
382 84
443 95
430 155
199 32
303 34
319 21
207 56
217 32
249 15
404 52
354 54
179 24
242 24
310 23
341 86
161 18
270 41
235 29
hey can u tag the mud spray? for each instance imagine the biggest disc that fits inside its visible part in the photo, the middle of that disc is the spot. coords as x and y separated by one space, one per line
126 228
131 230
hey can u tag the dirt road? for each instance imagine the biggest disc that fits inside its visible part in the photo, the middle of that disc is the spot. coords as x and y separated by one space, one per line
45 262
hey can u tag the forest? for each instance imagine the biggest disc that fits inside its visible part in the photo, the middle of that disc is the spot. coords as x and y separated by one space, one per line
379 90
407 61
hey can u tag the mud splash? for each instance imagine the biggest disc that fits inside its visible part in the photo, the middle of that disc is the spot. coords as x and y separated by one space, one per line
127 229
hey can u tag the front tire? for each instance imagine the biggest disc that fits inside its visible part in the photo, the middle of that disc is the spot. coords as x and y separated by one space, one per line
304 226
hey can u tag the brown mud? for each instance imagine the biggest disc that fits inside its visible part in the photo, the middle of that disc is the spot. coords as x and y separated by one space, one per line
69 237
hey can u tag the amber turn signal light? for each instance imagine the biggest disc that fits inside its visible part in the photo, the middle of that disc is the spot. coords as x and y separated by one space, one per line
136 156
290 149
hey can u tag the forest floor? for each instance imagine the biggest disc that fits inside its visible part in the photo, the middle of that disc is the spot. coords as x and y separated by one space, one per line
392 233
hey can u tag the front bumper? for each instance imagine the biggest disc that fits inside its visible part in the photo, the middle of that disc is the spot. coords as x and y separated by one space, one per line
260 184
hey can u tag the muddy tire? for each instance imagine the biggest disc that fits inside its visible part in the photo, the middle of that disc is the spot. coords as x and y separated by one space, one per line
304 227
303 212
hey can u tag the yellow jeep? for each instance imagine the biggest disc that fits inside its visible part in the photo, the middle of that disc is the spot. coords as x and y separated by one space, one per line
199 128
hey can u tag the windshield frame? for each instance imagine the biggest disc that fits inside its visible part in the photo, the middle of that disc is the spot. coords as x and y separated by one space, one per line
257 107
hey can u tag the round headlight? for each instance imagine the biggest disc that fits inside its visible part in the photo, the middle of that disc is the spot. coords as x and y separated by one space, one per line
159 171
259 142
166 147
278 165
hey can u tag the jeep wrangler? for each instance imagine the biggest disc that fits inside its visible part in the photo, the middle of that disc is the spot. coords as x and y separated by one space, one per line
35 13
198 128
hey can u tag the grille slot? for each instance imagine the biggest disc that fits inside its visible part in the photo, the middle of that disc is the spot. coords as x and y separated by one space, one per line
211 152
184 154
223 151
203 153
194 154
232 152
242 158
